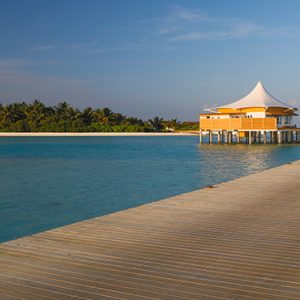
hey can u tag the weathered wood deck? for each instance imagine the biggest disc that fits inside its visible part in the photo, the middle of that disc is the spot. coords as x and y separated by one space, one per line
239 240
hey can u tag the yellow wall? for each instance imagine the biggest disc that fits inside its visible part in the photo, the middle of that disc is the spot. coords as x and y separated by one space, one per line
242 110
238 124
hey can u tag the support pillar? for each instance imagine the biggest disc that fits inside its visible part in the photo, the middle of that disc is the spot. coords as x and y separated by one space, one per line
289 136
271 137
210 137
259 137
237 137
293 137
254 136
250 137
226 137
279 137
229 137
219 137
297 137
285 137
200 136
265 137
275 137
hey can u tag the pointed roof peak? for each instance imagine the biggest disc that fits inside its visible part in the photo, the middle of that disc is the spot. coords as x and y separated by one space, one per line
260 85
258 97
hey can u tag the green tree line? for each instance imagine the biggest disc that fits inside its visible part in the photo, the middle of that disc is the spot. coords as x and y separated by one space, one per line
37 117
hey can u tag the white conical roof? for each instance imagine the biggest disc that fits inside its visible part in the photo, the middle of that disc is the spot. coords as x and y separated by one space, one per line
258 97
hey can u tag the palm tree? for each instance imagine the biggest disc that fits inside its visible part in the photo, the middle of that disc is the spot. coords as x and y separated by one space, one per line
117 118
35 113
7 115
104 116
11 113
66 112
133 121
87 115
174 123
157 123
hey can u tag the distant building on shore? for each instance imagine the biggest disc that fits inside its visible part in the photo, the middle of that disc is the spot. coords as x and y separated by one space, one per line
256 118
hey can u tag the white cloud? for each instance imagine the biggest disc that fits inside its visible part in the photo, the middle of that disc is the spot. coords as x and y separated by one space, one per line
239 30
192 36
186 14
183 25
143 43
43 48
83 45
168 30
178 20
179 25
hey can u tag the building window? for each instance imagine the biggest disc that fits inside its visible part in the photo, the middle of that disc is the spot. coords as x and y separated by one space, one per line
279 120
287 120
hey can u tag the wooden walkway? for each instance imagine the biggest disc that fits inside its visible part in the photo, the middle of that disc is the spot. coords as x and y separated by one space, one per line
239 240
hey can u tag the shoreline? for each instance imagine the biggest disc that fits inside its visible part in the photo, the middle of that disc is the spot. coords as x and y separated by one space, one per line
91 134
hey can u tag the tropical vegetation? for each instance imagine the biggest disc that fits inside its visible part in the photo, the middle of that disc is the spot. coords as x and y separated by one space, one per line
38 117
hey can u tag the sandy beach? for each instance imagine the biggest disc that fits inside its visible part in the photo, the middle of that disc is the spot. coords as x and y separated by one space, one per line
62 134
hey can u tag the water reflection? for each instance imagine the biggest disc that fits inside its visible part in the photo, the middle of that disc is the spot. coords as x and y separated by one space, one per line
223 162
50 182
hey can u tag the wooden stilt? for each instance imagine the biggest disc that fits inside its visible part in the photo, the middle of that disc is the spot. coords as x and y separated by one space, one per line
219 137
229 137
275 137
250 137
289 136
297 137
279 137
210 137
265 137
259 137
200 136
237 137
254 136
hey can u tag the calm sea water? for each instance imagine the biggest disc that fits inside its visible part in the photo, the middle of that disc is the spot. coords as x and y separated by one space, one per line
52 181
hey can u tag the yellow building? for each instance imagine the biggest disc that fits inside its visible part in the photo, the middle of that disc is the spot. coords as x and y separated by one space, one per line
258 117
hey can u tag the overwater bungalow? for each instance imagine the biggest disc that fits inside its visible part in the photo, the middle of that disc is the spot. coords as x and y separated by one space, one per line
256 118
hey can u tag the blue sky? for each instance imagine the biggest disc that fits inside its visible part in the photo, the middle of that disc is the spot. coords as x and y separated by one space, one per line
146 58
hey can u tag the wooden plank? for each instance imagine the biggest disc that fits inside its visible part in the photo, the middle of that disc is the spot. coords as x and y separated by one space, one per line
238 240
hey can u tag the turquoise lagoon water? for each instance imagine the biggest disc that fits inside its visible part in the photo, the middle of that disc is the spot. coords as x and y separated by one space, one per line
48 182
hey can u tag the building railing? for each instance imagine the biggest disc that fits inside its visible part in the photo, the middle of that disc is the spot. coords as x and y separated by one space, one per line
238 124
